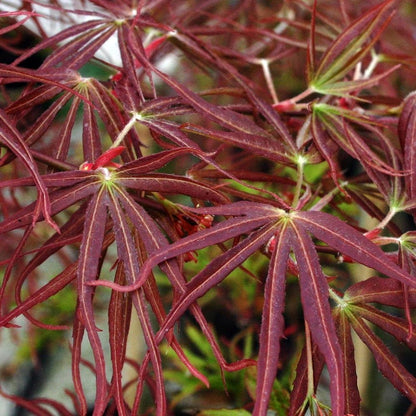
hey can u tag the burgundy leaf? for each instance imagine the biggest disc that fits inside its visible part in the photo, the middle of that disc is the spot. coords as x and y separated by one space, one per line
59 37
214 235
317 312
119 314
267 147
27 15
154 239
60 200
352 395
407 135
388 363
91 141
77 336
107 107
58 179
88 269
218 270
299 393
12 139
31 405
160 396
126 248
33 134
325 146
380 290
156 161
32 98
164 183
56 79
349 241
398 327
170 130
352 45
80 50
45 292
272 324
227 118
264 108
128 254
215 272
61 153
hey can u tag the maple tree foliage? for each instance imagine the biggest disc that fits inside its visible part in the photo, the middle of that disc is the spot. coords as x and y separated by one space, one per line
226 135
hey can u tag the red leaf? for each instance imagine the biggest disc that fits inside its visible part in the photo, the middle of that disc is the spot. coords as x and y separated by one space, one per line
352 395
398 327
45 292
105 159
317 312
88 270
388 363
168 184
352 45
12 139
272 324
210 236
154 240
349 241
300 384
380 290
407 135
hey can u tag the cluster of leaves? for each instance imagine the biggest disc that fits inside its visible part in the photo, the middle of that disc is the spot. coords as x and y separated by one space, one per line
185 145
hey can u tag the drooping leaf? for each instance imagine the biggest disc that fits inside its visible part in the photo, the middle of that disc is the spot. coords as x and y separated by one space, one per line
154 354
129 256
13 140
60 199
299 393
88 269
35 407
272 324
317 312
398 327
215 272
387 362
45 292
153 240
78 331
352 395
